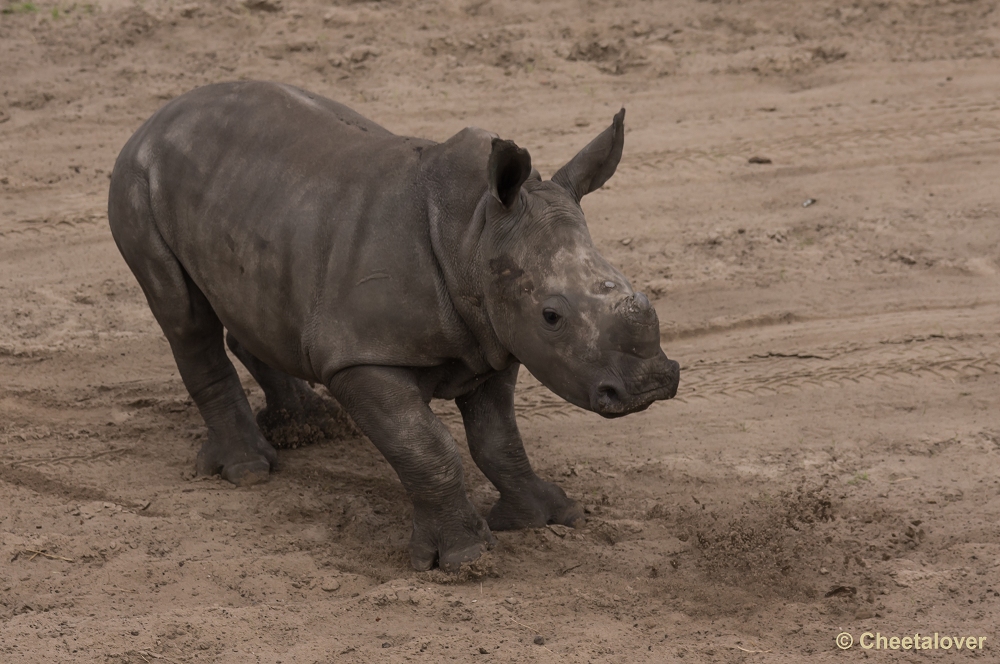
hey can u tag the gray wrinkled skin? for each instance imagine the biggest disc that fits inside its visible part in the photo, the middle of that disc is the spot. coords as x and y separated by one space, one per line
391 269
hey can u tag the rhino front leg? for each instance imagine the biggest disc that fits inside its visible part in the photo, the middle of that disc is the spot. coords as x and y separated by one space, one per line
387 405
526 500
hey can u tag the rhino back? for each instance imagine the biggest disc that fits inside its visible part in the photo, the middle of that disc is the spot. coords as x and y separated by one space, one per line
303 223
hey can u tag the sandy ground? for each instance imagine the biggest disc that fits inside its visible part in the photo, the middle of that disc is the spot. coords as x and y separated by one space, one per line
830 462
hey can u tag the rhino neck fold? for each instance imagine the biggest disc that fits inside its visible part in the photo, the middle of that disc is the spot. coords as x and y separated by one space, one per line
455 240
454 173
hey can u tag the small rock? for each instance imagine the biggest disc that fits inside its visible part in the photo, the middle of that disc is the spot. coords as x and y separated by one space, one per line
483 651
641 29
559 529
330 584
383 597
627 241
362 53
808 202
270 6
539 640
823 570
760 160
386 645
300 46
657 287
849 591
339 17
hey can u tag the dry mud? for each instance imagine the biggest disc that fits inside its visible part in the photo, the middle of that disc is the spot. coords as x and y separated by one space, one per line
830 462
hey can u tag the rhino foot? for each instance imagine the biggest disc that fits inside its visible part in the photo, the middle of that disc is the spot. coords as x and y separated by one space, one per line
240 463
539 505
438 536
312 420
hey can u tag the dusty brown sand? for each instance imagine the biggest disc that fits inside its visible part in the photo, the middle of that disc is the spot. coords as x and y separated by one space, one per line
837 429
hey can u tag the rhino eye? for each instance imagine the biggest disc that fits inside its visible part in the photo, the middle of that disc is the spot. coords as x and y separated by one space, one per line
550 316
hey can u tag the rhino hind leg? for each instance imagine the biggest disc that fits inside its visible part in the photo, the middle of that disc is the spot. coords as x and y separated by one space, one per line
526 500
294 414
234 446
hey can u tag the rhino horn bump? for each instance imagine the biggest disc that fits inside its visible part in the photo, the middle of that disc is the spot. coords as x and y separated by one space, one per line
638 309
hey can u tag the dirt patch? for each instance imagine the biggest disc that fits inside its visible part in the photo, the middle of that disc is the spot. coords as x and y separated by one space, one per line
767 542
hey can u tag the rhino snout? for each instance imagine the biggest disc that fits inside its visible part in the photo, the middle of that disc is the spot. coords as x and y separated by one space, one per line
611 397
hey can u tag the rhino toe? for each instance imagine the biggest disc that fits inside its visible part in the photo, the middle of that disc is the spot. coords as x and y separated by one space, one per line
247 473
543 504
571 515
447 543
241 462
451 561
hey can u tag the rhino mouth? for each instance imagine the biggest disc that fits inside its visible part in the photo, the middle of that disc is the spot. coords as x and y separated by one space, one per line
611 398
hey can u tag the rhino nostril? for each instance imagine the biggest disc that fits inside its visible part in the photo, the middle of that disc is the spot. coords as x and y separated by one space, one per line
608 395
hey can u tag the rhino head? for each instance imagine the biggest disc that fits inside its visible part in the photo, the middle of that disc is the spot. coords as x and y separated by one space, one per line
548 296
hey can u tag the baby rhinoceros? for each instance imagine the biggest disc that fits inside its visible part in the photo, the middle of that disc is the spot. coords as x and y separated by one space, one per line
392 270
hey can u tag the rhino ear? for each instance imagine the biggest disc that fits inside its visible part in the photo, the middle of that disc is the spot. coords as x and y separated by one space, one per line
595 164
509 166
